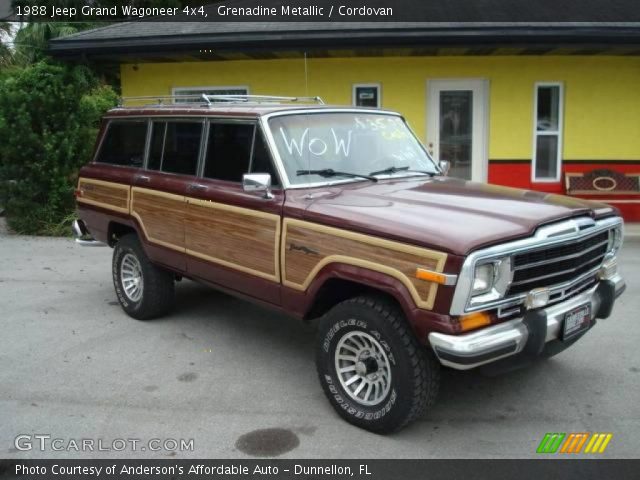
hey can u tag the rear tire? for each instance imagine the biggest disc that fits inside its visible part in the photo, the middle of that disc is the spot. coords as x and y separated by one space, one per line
371 366
144 290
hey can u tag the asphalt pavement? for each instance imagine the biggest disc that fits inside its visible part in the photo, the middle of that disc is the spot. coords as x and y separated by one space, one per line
234 380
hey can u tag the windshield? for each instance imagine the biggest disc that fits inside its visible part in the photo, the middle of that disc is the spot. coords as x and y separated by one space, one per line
347 144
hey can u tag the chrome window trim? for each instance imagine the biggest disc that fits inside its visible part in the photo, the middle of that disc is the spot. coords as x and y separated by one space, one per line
545 236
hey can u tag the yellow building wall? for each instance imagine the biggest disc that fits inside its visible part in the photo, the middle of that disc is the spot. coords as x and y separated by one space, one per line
601 93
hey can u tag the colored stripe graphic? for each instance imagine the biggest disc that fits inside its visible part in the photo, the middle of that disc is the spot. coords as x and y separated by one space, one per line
598 443
574 443
550 443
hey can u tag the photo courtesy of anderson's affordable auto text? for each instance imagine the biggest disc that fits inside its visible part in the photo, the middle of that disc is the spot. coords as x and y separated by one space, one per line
319 239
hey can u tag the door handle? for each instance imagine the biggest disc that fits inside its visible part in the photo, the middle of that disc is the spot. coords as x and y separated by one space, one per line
197 187
142 178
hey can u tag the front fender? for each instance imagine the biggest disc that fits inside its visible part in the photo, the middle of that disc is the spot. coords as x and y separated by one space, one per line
422 321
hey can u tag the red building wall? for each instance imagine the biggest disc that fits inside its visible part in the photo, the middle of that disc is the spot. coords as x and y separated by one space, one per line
517 173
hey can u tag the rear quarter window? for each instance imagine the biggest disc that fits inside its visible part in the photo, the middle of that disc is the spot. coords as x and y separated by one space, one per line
123 143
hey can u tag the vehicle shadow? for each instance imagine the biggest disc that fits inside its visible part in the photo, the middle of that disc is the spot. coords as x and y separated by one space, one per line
465 396
211 311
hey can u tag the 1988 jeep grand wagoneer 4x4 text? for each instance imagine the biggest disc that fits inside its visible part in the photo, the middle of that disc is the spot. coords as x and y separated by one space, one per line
340 214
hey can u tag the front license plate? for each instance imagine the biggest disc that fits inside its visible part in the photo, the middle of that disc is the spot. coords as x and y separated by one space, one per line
576 321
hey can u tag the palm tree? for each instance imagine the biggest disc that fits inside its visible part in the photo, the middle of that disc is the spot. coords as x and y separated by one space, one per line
6 53
32 40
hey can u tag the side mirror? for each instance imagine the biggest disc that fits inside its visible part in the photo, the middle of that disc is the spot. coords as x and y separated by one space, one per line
445 165
257 182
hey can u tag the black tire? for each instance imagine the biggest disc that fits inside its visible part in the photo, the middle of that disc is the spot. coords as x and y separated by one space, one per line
157 295
415 373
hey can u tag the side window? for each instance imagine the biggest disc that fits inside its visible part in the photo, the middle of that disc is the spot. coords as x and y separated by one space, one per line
547 133
175 147
261 161
228 151
194 94
123 144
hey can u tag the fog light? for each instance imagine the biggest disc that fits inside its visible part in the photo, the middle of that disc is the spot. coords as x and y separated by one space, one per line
608 269
474 320
537 298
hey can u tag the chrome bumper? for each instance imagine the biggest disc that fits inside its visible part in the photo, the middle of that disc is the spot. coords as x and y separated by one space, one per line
82 235
525 335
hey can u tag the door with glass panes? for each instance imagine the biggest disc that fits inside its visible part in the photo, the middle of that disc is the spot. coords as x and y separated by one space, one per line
158 193
232 236
457 126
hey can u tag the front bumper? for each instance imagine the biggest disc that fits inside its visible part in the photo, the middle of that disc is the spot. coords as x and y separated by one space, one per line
524 337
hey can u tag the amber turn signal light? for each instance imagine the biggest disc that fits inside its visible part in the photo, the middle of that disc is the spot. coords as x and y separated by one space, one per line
430 276
474 320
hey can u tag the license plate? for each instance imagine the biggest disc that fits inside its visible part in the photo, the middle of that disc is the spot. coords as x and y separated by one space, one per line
576 321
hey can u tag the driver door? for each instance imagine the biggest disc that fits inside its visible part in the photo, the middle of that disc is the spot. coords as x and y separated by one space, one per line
232 237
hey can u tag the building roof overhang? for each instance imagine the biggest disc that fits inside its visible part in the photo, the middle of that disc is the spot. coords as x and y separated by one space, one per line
325 40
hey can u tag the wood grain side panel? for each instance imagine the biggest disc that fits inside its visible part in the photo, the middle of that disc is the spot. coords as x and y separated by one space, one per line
235 237
308 247
161 216
110 195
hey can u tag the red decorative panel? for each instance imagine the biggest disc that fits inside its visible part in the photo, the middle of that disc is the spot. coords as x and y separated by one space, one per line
625 195
602 182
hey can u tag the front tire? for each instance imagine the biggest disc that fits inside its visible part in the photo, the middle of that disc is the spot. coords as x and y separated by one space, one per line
372 368
144 290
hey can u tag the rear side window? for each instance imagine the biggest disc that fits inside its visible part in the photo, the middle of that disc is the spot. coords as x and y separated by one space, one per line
123 144
175 147
228 151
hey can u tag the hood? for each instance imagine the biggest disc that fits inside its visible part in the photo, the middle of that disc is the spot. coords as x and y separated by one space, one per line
446 214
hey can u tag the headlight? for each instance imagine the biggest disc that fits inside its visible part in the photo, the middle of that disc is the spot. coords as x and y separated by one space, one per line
491 280
483 278
615 240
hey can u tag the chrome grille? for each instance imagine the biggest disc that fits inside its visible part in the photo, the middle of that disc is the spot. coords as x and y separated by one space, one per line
558 264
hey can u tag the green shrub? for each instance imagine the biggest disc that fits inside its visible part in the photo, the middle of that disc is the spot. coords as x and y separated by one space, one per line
49 116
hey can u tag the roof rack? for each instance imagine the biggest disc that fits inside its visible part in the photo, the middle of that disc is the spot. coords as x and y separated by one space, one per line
210 100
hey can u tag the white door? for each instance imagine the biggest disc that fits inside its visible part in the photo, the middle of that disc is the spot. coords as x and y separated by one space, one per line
457 125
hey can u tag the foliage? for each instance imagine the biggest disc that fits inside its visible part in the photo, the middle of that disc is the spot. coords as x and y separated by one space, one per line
32 40
5 52
48 124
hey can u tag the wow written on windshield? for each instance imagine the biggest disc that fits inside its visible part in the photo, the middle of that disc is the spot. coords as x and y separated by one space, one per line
299 136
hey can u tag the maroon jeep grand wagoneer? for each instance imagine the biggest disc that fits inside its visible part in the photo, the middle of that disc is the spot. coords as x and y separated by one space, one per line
340 214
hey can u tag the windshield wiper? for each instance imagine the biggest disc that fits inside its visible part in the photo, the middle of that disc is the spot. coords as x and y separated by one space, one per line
391 170
330 172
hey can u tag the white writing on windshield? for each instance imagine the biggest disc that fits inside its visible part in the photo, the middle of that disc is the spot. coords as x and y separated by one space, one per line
315 145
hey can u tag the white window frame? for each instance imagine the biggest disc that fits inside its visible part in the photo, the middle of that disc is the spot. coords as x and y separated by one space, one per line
181 90
559 132
355 87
